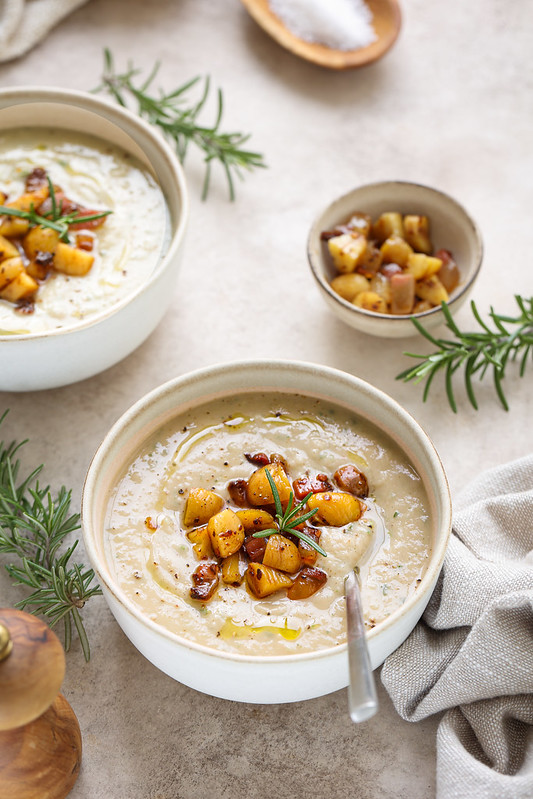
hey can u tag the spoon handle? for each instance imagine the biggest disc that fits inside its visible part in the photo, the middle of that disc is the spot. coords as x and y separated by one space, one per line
362 697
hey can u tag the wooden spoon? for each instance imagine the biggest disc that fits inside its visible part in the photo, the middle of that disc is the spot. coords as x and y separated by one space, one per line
386 20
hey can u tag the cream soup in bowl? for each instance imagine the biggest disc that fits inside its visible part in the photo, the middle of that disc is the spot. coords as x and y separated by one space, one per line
125 247
159 554
88 305
139 522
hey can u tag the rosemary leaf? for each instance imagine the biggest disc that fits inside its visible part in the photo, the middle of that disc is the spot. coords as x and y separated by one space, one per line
33 527
428 385
288 520
449 386
510 339
523 362
177 118
469 370
275 494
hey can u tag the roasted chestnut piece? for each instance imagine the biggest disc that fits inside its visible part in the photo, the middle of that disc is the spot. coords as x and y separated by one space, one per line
200 506
282 554
233 569
237 492
277 458
36 179
205 581
336 508
448 274
351 479
304 485
307 553
257 458
259 492
255 548
226 533
254 519
263 581
307 583
199 537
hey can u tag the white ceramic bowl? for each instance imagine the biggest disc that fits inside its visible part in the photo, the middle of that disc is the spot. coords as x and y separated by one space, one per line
452 228
286 678
55 358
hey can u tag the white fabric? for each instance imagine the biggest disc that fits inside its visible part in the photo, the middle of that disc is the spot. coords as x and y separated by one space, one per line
472 653
23 23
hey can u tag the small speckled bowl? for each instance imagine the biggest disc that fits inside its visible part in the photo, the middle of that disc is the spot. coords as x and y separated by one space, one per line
57 357
240 677
451 228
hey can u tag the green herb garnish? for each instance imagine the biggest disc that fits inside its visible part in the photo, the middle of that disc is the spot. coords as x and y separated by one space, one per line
33 527
476 352
178 120
288 520
55 219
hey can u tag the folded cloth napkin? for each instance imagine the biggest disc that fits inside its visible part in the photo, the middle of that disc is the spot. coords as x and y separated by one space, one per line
472 653
25 22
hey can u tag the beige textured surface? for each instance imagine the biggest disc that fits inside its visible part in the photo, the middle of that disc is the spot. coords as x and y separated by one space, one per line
451 105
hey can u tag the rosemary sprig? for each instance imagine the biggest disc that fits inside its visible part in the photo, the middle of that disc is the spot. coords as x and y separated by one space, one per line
288 520
55 218
178 120
33 528
511 338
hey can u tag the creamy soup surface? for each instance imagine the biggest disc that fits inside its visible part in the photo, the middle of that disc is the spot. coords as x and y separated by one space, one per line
129 245
205 448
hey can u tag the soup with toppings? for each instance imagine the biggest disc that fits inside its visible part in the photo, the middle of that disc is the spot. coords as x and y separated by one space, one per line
197 540
90 174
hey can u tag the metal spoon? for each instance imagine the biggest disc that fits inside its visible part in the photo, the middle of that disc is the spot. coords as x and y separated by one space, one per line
362 697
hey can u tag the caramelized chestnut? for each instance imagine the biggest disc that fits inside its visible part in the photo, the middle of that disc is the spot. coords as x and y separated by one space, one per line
205 581
351 479
304 485
255 548
307 583
257 458
237 492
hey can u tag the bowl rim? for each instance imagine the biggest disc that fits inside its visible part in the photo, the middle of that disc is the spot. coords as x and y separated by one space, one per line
142 405
26 95
315 259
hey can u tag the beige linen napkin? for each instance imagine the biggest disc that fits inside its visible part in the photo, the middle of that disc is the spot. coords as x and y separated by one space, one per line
25 22
472 654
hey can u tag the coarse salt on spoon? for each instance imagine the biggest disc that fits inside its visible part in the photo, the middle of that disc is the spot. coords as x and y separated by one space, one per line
386 21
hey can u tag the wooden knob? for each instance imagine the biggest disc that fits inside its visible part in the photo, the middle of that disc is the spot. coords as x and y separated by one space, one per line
32 668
